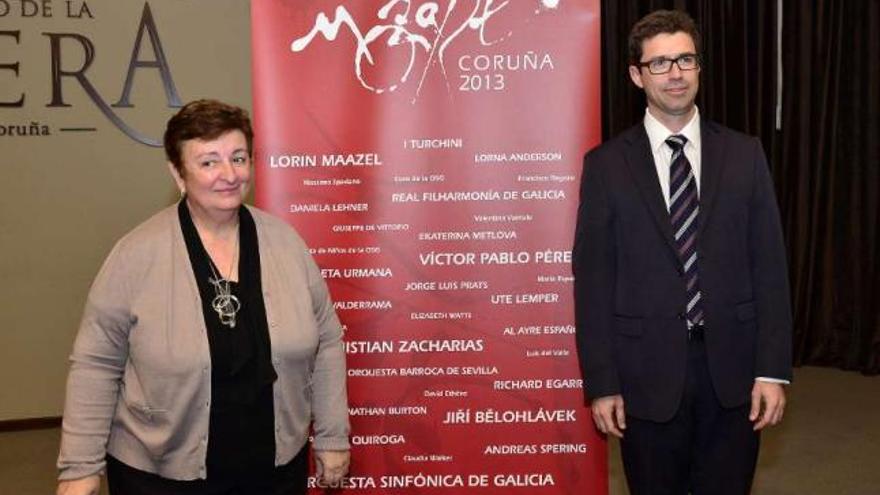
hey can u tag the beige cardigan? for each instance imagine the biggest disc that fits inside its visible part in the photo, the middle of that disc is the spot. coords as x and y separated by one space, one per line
140 380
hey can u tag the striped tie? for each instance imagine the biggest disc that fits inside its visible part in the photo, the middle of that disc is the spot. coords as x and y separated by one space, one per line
684 206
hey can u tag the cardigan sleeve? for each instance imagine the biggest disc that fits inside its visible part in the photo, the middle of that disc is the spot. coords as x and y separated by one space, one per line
329 396
99 355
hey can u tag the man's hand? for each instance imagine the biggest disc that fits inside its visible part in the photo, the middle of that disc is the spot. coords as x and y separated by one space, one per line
331 465
608 415
82 486
768 404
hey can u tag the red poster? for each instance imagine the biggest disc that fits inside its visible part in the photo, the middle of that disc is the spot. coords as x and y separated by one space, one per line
429 152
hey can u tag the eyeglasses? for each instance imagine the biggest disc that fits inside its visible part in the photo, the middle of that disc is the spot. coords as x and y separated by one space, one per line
662 65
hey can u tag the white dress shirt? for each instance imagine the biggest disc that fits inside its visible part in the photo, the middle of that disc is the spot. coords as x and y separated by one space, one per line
657 135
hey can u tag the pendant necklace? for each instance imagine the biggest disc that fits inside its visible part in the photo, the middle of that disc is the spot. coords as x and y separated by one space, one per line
225 303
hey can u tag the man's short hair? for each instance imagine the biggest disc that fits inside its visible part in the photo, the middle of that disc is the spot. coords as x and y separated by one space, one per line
657 22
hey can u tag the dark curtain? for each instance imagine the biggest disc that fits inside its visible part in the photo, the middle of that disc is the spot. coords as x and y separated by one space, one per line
828 171
825 157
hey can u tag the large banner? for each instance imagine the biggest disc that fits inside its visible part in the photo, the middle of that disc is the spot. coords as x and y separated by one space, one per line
429 152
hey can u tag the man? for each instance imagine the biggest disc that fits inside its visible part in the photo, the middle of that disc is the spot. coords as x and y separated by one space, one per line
681 293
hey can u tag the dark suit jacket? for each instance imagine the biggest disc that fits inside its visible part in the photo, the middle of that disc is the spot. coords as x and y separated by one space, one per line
629 289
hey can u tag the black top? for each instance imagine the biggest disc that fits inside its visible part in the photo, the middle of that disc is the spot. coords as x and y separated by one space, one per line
241 435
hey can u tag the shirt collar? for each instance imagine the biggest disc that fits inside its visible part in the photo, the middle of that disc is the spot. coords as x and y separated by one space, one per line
657 132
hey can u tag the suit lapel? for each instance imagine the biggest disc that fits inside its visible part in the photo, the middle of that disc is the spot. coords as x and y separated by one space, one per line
640 161
712 163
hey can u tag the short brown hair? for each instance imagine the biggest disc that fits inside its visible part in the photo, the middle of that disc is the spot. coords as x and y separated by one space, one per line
657 22
206 120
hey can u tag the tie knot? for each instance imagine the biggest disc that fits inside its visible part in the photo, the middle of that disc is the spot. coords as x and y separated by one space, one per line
676 142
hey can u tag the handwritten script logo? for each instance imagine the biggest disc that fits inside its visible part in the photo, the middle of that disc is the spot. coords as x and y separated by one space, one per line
432 34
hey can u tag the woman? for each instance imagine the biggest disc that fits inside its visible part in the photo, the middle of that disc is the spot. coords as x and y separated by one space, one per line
208 344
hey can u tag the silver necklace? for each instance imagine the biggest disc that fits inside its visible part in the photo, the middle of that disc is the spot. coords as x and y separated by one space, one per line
225 303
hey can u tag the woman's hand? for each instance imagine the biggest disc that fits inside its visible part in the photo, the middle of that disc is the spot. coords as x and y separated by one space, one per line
82 486
331 465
